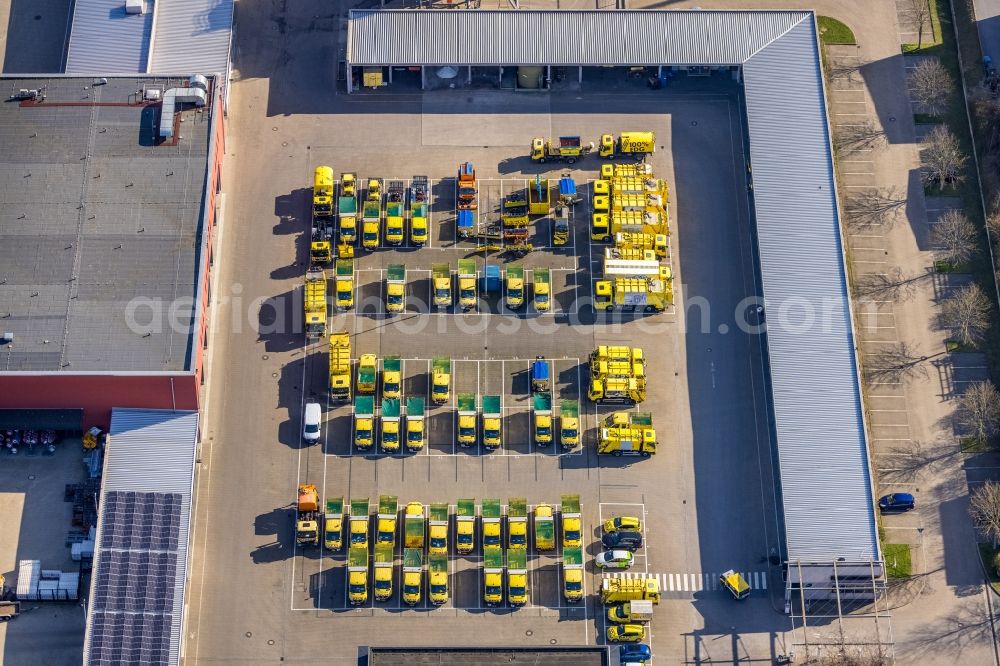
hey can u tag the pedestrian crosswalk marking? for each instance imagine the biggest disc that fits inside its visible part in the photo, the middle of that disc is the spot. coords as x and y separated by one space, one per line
693 582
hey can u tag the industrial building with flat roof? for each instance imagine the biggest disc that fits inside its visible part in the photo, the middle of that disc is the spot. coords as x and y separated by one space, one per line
105 243
819 424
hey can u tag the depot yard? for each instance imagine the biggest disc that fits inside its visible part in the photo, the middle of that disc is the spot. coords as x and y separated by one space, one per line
704 388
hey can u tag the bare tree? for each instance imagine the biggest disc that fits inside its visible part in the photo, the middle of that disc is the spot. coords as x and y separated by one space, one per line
979 411
918 13
859 136
859 656
931 86
984 507
893 362
942 158
954 237
890 286
871 208
967 314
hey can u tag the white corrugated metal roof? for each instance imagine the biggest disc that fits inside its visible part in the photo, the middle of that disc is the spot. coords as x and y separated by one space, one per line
824 465
172 37
150 451
106 40
556 37
823 456
192 36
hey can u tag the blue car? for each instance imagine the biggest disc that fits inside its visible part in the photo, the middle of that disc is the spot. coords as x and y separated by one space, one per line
896 502
634 652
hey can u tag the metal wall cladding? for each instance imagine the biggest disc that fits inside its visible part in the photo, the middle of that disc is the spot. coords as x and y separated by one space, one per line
823 456
192 37
106 40
547 37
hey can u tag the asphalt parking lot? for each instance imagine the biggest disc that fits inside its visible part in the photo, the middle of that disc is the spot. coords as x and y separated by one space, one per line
707 497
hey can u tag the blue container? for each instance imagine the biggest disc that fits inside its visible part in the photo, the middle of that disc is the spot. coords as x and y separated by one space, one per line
567 187
490 280
539 375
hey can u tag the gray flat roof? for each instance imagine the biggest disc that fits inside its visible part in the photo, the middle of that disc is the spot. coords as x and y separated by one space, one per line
93 217
816 394
177 37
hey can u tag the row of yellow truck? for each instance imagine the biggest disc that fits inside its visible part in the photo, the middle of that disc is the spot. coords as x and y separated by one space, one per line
630 208
427 528
385 208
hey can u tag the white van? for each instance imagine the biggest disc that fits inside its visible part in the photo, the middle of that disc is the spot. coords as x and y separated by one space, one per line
314 415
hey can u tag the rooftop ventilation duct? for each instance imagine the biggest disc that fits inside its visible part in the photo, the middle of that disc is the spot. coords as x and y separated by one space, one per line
173 97
135 7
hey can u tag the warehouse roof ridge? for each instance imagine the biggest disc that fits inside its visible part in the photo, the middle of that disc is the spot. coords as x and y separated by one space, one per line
100 227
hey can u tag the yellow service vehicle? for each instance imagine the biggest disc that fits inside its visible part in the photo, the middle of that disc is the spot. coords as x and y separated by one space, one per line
515 286
395 210
383 571
385 528
344 280
572 522
415 423
517 523
566 148
541 288
438 579
392 371
492 422
627 433
440 379
465 526
545 529
441 278
569 424
438 530
323 191
367 372
395 288
637 144
492 518
638 612
467 417
648 294
307 516
736 584
493 577
517 577
572 574
413 576
358 522
333 529
467 284
357 575
340 366
615 590
419 210
315 303
626 633
364 422
622 524
414 525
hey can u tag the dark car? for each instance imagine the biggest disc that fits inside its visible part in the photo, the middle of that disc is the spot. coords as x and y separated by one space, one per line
896 502
634 652
626 540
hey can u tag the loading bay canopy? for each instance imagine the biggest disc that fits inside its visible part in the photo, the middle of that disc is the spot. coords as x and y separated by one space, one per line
815 388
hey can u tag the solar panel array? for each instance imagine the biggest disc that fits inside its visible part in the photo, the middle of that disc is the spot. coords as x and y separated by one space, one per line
133 598
141 521
142 583
129 639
